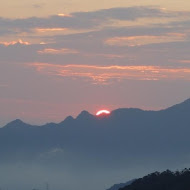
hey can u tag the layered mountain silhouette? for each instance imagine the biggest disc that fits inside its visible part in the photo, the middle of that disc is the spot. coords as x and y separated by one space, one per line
128 143
124 133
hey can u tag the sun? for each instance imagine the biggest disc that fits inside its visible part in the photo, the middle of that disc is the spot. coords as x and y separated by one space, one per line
102 112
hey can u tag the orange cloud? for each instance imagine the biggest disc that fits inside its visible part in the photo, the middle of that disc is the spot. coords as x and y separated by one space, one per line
64 15
73 51
15 42
104 74
50 29
58 51
143 40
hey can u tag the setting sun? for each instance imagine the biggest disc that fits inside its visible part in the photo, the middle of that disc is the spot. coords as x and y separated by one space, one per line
103 112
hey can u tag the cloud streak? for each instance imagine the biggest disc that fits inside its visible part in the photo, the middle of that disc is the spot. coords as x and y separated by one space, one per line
143 40
11 43
81 20
107 74
50 29
58 51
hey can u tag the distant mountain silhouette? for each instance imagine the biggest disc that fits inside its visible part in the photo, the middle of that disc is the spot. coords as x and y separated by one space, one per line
121 185
166 180
125 133
129 142
17 124
184 106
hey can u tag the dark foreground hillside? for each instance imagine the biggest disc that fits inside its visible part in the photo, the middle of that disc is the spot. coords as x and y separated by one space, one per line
162 181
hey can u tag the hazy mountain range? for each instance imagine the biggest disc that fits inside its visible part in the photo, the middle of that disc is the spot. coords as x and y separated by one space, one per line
93 152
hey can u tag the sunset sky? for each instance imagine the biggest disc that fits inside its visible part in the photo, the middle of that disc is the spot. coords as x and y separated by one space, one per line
60 57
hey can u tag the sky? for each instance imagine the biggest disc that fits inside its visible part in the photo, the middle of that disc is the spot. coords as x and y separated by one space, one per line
60 57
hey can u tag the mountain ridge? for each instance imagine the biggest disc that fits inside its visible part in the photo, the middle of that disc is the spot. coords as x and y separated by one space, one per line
127 144
85 115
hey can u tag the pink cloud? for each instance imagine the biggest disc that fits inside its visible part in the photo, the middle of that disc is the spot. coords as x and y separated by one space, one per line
143 40
15 42
50 29
104 74
58 51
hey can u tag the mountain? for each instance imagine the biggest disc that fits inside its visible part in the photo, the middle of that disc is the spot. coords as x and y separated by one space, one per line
166 180
129 131
128 143
184 106
121 185
17 124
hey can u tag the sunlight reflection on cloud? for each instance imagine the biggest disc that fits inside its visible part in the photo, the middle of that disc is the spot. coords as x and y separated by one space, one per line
105 74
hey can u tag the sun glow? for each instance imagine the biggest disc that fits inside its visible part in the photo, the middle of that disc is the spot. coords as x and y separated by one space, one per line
103 112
